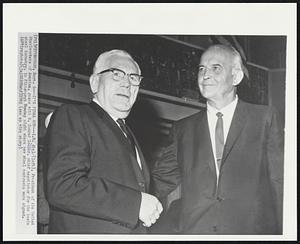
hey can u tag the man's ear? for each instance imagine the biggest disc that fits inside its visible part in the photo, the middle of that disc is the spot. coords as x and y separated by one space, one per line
238 75
94 83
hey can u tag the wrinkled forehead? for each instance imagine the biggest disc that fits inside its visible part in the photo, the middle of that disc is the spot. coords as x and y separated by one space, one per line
216 56
122 62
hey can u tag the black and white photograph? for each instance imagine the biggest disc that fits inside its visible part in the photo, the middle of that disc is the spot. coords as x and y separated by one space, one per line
92 181
155 135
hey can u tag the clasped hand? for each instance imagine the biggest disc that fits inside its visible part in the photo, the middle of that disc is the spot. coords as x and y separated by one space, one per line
150 209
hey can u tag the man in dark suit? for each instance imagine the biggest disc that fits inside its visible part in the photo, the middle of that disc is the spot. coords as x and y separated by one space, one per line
96 175
228 158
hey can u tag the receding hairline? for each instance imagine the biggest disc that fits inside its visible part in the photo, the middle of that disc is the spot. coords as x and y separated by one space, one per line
235 55
105 56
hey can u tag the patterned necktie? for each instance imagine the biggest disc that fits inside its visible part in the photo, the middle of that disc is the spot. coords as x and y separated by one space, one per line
128 134
219 136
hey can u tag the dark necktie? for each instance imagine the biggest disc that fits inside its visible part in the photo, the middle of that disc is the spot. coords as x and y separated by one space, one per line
128 134
219 136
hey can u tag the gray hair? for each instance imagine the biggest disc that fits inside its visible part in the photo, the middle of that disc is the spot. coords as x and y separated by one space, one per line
237 59
103 57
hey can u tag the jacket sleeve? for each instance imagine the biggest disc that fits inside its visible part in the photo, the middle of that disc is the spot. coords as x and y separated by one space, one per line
275 155
69 186
166 173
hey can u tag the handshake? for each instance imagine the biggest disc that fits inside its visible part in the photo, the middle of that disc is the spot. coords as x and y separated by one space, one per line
150 209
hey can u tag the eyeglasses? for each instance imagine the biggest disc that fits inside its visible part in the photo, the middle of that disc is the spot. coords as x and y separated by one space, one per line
118 75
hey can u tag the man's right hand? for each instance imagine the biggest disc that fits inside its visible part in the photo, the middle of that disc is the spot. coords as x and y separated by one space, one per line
150 209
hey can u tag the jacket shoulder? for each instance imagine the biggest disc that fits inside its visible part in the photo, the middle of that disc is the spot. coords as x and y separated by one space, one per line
258 108
261 112
253 105
70 111
73 109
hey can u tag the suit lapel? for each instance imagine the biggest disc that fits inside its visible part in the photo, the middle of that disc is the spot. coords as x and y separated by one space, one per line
117 131
111 124
237 124
203 142
145 172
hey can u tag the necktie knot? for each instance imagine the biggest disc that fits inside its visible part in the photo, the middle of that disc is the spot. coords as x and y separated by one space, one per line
121 123
123 127
128 134
219 114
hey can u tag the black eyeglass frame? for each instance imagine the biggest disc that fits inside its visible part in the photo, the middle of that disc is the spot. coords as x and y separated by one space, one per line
125 74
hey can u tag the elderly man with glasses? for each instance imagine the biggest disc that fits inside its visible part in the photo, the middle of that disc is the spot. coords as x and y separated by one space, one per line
96 175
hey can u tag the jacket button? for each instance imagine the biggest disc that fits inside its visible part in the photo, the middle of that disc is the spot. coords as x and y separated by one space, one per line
214 228
141 184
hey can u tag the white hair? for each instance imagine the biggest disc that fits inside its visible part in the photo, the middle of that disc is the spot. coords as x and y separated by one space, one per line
103 57
237 60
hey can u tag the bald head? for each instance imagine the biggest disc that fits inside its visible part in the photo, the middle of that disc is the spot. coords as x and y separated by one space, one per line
220 72
229 51
116 95
103 60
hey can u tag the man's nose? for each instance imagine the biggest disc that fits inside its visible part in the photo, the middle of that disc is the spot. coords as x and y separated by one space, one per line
125 81
206 74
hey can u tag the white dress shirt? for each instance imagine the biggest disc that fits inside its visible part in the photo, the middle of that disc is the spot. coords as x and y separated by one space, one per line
115 119
227 112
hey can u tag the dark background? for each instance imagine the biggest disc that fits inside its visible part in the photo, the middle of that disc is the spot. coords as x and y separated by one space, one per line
169 65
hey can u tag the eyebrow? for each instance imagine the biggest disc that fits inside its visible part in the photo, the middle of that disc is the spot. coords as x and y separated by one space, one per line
217 65
201 65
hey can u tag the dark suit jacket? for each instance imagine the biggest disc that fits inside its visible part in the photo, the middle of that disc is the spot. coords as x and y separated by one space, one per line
248 199
93 181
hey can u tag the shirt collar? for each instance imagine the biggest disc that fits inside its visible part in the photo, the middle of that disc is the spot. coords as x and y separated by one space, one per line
227 109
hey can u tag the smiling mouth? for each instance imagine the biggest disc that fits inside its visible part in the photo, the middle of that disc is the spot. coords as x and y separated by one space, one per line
123 95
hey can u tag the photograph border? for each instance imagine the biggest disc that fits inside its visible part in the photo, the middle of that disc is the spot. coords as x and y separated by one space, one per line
162 18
